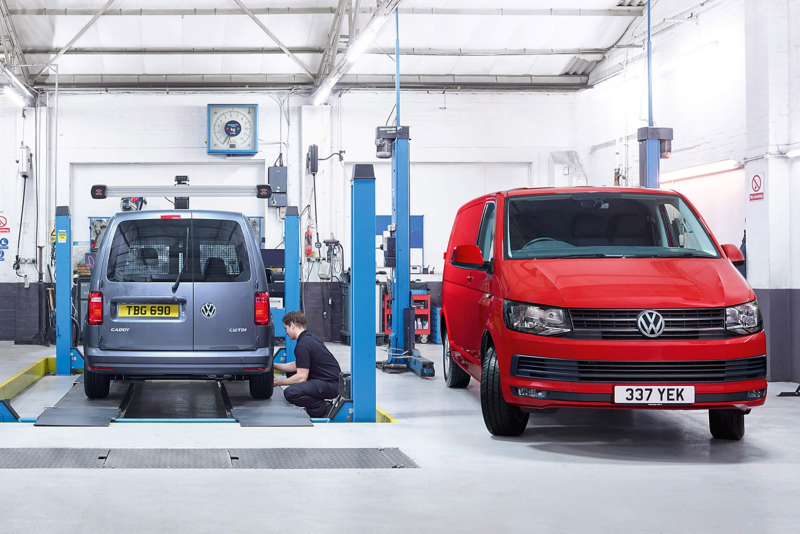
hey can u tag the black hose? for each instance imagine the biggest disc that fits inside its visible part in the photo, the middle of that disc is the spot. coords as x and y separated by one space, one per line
21 215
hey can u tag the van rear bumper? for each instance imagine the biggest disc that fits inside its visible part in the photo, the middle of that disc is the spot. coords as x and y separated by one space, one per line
178 363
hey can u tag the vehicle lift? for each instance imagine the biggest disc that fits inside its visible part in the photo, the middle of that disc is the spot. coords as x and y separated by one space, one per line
392 142
357 402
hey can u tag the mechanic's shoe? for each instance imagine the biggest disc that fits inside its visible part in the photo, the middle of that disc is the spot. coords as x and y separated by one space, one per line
321 412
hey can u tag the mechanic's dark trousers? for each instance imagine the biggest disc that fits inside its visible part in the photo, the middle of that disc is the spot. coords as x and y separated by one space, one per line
312 395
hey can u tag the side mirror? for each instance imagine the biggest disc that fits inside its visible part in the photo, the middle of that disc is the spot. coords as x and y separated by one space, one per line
734 254
468 257
270 276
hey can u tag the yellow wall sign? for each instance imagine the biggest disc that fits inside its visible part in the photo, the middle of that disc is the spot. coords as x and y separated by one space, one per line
62 237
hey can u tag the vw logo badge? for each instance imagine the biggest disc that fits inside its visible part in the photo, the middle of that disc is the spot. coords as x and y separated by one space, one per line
650 323
208 310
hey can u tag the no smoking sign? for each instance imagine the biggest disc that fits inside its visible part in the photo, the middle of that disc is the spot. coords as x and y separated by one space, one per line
4 229
756 187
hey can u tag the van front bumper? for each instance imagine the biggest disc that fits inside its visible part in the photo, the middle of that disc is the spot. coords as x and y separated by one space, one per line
722 394
178 363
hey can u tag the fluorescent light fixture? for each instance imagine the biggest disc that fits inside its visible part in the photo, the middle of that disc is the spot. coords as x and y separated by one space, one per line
793 153
357 49
322 94
24 90
701 170
14 96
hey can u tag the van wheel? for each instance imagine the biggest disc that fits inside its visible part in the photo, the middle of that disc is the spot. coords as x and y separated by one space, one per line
96 385
501 418
262 385
454 376
726 424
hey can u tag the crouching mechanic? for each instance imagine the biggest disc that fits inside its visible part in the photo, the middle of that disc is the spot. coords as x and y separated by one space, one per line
314 375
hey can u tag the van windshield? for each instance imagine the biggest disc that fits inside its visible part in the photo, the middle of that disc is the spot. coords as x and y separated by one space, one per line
588 225
154 250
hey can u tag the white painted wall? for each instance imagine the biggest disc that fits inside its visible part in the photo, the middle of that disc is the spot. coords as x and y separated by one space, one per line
117 139
721 200
467 146
698 89
14 131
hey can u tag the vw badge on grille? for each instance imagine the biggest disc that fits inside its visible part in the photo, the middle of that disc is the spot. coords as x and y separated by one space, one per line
650 323
208 310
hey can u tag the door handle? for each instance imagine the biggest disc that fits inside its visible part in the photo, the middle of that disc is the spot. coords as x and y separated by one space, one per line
469 278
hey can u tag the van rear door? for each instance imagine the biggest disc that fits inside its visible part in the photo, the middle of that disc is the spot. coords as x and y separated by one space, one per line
224 283
142 262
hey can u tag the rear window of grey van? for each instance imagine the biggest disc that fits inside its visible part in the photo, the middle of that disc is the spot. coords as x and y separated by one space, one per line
155 250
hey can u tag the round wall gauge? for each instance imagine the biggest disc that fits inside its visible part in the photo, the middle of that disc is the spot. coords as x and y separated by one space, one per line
233 128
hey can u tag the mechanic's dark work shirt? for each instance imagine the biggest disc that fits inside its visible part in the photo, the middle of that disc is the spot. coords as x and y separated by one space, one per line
312 354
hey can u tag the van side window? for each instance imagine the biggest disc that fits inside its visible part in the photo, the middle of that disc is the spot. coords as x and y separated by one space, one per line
486 233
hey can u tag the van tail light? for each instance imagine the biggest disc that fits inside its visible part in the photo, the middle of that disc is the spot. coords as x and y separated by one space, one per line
261 313
95 308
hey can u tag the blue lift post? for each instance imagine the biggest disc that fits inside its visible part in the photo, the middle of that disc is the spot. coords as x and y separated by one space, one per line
64 353
654 143
362 293
291 280
401 350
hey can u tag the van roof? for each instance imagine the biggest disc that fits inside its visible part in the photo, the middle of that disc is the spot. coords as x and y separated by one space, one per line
522 191
157 214
584 189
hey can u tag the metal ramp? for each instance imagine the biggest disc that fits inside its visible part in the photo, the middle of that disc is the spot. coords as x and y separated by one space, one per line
173 401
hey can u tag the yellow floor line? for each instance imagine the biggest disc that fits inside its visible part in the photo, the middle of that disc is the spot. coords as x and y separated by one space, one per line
382 417
17 383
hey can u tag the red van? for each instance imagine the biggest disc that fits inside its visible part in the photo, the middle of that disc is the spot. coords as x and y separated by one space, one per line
615 298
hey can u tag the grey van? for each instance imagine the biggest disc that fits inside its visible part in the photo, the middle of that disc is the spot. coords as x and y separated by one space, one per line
178 294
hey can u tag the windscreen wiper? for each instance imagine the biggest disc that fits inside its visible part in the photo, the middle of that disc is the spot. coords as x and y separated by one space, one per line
595 255
186 262
682 255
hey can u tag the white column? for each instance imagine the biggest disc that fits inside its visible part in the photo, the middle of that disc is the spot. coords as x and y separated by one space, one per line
769 219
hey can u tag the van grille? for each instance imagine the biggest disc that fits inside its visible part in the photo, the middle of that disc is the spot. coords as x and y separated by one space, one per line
645 372
680 324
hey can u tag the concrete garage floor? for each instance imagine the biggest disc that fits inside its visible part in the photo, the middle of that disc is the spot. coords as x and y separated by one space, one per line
573 471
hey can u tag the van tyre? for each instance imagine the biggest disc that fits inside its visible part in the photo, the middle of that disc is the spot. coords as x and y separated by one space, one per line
96 385
501 418
454 376
726 424
262 385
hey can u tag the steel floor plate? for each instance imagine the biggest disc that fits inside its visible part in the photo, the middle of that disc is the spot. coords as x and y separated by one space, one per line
312 458
349 458
168 459
35 458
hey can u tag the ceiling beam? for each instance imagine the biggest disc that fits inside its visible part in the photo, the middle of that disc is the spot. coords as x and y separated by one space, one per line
332 41
283 81
555 12
271 35
439 52
11 46
77 36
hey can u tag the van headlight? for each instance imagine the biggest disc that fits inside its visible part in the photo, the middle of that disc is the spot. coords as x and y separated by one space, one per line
744 319
538 320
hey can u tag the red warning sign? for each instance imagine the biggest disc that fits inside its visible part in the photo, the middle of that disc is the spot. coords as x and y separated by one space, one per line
756 188
4 229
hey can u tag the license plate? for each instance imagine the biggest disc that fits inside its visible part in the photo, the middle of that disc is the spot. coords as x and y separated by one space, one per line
161 311
654 394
